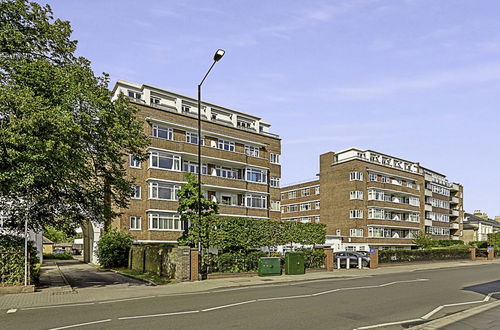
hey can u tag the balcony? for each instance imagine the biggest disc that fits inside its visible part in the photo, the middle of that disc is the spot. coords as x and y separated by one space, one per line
454 225
428 222
454 187
428 207
454 200
428 193
455 213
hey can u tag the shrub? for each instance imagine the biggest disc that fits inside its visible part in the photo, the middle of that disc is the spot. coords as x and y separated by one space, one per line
313 258
494 240
112 249
234 262
479 244
399 256
447 242
58 256
12 260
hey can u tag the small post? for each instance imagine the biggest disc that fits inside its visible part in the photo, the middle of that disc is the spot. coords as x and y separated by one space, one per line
491 253
472 253
373 258
348 263
195 259
329 263
338 263
360 265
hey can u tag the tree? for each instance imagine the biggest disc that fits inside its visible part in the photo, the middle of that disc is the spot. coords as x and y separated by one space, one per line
422 240
63 142
113 248
188 209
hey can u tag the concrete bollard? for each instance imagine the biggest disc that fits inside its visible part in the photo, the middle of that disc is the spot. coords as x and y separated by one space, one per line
348 263
360 264
338 263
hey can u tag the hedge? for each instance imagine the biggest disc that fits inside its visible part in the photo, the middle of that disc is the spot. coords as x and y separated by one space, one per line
401 256
313 258
12 260
58 256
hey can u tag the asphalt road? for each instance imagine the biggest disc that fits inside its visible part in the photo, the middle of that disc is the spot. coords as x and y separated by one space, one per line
344 303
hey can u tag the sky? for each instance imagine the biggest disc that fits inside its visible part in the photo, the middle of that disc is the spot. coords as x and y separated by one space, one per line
416 79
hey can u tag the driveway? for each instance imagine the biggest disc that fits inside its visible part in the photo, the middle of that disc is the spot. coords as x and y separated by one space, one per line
77 274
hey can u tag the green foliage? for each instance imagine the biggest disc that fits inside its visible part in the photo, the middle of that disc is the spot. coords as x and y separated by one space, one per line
479 244
112 249
234 262
447 242
59 236
12 260
188 209
401 256
423 240
494 240
58 256
313 258
64 142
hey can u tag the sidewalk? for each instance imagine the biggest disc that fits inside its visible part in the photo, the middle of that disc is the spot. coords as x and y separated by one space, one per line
64 295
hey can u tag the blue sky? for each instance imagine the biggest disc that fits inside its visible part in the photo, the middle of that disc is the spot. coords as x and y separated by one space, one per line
417 79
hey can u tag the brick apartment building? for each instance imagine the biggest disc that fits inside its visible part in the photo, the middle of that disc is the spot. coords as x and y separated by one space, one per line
369 199
240 162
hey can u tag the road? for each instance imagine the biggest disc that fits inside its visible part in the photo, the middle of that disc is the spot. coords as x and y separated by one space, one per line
344 303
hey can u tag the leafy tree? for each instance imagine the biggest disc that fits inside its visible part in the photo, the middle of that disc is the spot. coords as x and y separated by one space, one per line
113 247
188 209
423 240
63 142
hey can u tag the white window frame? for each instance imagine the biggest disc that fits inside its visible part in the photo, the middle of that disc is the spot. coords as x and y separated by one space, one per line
169 132
134 163
305 192
274 158
192 167
372 177
226 172
135 222
249 171
226 145
252 151
356 214
176 160
356 232
292 194
156 186
317 205
274 182
252 199
190 136
356 176
165 222
305 206
137 192
356 195
134 94
275 205
316 190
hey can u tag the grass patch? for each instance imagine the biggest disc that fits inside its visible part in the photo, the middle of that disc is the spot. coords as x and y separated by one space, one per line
158 280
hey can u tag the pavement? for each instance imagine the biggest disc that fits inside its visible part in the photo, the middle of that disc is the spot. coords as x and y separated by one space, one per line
67 284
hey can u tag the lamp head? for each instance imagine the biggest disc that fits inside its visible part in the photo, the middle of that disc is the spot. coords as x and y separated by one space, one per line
218 55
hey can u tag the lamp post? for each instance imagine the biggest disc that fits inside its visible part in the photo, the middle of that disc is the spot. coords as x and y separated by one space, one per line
217 56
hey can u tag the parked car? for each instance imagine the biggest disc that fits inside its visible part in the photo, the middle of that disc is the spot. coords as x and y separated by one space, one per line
353 258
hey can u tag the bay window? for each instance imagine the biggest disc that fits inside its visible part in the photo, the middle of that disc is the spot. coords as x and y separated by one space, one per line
164 160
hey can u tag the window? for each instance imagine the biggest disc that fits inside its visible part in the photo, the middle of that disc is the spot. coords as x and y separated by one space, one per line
165 161
442 231
275 182
356 232
292 208
252 151
317 205
243 124
256 175
317 219
356 194
376 195
186 108
226 200
356 214
166 221
136 192
192 167
134 95
292 194
376 214
415 201
163 132
338 232
164 191
275 205
135 223
305 192
372 177
192 138
274 158
409 184
226 145
283 196
356 176
305 206
226 172
316 190
384 179
134 163
154 100
256 201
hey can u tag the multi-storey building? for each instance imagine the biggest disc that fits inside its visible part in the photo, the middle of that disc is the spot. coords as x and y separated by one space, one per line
477 227
369 199
240 162
302 202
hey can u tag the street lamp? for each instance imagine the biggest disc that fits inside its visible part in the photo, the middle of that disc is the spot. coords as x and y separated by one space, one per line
217 56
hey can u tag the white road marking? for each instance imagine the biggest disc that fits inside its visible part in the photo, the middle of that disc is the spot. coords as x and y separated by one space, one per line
285 297
81 324
56 306
183 294
227 306
387 324
126 299
156 315
13 310
434 311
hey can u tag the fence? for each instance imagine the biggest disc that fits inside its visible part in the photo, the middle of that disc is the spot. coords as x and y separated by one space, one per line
402 256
